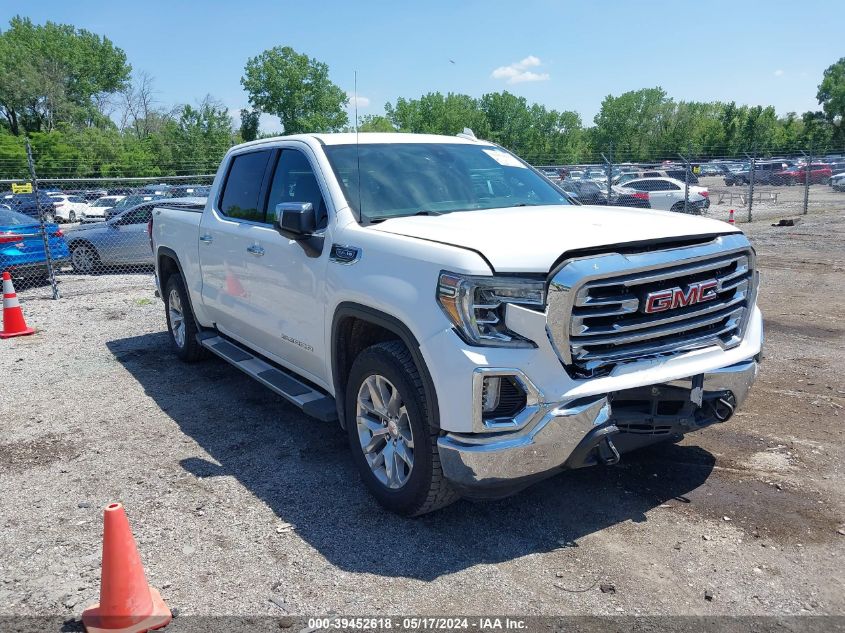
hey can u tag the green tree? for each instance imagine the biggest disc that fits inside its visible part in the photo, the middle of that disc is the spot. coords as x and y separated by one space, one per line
202 134
55 73
295 88
375 123
831 96
634 123
436 113
249 124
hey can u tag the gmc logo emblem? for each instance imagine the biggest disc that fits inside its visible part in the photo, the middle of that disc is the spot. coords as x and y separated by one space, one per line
672 298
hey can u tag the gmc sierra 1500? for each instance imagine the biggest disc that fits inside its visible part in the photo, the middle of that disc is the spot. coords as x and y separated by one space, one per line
472 329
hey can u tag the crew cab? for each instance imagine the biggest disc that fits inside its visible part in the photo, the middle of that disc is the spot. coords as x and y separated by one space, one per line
469 327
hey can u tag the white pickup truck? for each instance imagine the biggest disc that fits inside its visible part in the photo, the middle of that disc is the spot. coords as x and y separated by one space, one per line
471 328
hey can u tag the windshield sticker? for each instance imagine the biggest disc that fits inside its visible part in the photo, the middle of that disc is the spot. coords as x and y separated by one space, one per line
503 158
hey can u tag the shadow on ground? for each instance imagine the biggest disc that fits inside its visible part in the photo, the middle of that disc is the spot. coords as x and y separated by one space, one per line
302 470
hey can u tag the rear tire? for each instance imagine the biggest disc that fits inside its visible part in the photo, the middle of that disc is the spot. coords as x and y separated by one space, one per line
84 258
180 321
71 217
393 444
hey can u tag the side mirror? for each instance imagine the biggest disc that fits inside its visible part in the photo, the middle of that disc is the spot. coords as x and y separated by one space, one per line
298 221
295 219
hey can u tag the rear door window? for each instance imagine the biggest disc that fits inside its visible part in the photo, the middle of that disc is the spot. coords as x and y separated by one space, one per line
240 199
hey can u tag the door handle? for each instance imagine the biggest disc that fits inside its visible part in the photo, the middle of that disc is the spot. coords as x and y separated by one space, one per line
256 250
206 239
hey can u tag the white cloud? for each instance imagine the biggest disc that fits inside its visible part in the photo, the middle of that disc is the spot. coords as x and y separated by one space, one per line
778 73
518 71
362 102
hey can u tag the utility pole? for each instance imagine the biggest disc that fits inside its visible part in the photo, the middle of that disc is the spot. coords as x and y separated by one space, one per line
807 170
751 182
608 166
51 273
687 165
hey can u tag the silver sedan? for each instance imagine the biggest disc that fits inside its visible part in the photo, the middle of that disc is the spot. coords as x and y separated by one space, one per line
121 241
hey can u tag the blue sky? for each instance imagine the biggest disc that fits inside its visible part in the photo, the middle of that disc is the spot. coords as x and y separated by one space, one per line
566 55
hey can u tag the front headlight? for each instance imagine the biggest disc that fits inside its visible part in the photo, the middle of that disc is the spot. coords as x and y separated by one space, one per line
476 306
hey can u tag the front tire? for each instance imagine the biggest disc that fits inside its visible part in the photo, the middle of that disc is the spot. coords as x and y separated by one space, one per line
180 321
393 444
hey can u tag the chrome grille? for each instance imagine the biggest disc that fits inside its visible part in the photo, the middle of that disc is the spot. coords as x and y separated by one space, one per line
595 312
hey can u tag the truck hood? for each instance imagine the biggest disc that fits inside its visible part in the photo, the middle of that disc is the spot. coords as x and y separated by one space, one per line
532 239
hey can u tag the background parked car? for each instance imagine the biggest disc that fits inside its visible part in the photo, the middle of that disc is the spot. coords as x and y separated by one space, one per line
837 168
584 191
89 194
25 203
764 173
122 240
668 194
819 173
96 211
69 208
22 251
131 201
838 182
184 191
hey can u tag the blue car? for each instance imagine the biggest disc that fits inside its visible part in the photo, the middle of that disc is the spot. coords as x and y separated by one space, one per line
22 247
25 203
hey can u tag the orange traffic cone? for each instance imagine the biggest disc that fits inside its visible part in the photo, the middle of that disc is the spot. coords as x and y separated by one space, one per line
731 217
127 603
13 322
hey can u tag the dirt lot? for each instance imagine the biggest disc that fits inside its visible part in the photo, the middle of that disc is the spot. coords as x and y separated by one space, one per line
236 498
770 201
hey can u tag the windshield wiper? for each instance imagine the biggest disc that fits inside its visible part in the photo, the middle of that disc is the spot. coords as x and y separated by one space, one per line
425 212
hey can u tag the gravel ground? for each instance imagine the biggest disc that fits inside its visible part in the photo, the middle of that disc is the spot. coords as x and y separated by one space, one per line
236 498
770 202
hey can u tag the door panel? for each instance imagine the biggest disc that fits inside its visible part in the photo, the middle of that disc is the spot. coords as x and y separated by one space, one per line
225 263
286 289
286 284
227 230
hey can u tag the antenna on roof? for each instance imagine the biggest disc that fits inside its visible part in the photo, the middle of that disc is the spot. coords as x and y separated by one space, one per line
358 149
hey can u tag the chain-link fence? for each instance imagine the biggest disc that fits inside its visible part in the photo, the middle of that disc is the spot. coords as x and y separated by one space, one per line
66 236
754 186
75 235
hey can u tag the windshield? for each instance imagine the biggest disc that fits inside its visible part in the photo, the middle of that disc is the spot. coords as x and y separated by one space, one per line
401 179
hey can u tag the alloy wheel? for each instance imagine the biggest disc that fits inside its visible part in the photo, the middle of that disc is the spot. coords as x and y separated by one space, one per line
384 431
177 318
83 258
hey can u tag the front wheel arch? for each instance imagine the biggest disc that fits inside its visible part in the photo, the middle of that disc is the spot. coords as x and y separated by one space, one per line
381 327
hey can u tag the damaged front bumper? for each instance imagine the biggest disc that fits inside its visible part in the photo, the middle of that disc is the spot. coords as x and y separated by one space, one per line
592 430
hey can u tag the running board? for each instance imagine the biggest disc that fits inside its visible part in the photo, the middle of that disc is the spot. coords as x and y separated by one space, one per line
312 402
